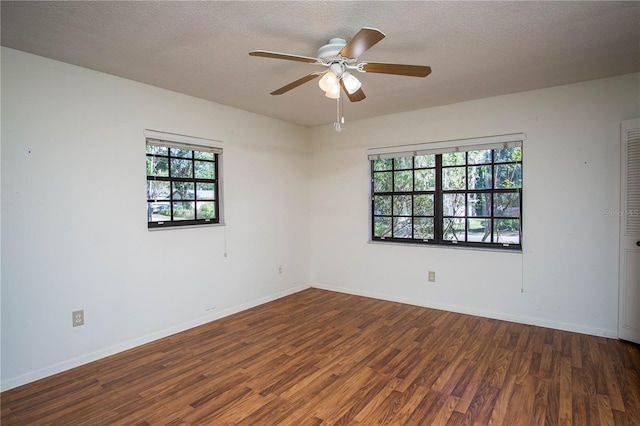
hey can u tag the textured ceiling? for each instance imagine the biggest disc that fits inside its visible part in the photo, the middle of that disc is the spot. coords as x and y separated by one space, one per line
476 49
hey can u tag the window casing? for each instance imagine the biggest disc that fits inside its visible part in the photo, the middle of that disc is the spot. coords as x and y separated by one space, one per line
468 195
183 184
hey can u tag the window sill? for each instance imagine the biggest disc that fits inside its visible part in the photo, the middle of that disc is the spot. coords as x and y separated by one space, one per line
446 247
204 225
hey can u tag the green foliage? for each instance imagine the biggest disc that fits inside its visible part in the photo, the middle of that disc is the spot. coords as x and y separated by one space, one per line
157 166
206 210
183 190
402 205
157 150
423 228
382 227
453 159
204 170
425 180
402 163
382 205
403 181
183 210
423 205
479 157
424 161
184 153
453 178
384 164
382 182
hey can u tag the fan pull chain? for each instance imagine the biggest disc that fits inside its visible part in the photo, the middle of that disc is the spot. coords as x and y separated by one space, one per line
339 117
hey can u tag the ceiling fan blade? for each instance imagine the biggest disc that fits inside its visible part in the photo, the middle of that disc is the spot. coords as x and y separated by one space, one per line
296 83
397 69
356 96
276 55
361 42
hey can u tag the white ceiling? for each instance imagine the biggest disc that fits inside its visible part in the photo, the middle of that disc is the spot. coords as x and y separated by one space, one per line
476 49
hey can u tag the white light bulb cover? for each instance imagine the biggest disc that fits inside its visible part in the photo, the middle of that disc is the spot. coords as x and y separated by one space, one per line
351 83
333 92
328 81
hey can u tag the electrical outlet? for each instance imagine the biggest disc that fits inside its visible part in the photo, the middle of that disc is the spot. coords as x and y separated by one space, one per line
77 317
432 276
280 270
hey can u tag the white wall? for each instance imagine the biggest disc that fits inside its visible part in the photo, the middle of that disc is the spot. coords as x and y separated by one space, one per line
569 265
74 232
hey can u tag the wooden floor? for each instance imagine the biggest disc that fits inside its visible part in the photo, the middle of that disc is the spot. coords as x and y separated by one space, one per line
319 357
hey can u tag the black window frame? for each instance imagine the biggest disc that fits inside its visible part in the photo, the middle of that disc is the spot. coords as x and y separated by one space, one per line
189 183
438 193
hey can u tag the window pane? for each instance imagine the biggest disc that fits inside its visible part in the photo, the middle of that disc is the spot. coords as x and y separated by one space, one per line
403 181
423 228
508 176
453 229
183 210
402 163
382 182
425 180
157 166
479 204
182 185
382 205
158 190
159 150
508 154
506 205
425 161
423 205
381 226
183 191
201 155
384 164
478 194
479 177
184 153
479 230
479 157
402 227
506 231
205 191
181 168
158 212
205 169
402 205
453 159
453 204
453 178
206 210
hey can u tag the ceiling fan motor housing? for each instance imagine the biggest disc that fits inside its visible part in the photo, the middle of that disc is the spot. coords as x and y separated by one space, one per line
330 52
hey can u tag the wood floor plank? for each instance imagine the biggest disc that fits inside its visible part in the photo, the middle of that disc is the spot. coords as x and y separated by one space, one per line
605 414
501 407
566 391
320 357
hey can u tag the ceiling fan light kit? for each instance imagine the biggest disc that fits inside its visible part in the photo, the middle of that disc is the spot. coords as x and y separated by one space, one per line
339 56
333 92
351 83
328 81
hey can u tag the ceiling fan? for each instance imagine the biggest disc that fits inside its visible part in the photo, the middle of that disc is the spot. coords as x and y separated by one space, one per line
341 57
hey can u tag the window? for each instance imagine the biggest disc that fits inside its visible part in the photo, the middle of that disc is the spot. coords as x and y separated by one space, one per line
182 182
468 195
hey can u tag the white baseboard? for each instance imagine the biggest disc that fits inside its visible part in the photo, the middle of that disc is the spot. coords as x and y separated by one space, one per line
612 334
94 356
112 350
